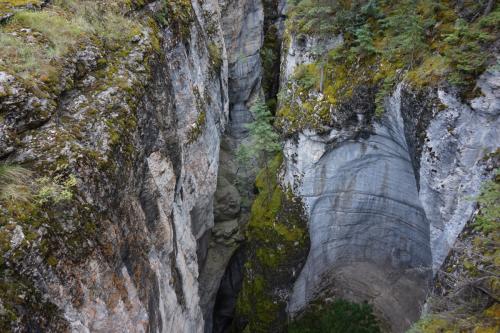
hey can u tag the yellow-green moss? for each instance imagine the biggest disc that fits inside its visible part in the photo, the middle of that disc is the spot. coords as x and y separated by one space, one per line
277 243
197 128
9 6
308 102
442 48
215 56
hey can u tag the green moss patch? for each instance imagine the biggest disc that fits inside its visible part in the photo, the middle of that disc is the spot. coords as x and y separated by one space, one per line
178 15
8 7
32 227
276 247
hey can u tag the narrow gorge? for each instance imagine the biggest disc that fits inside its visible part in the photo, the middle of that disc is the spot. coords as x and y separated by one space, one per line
226 166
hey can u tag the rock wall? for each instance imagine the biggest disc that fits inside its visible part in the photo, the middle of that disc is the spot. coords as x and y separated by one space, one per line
369 233
144 154
452 163
242 22
387 199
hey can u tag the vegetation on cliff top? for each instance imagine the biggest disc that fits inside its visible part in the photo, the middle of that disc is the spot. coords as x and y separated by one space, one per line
424 42
35 42
178 15
8 7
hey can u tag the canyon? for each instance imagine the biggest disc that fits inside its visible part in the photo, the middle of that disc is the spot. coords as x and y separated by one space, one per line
138 217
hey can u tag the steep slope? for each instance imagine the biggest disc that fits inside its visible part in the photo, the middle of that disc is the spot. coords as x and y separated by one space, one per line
122 140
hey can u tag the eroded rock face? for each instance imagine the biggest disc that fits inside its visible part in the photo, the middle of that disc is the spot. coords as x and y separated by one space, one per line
300 50
369 233
146 171
242 23
387 198
452 164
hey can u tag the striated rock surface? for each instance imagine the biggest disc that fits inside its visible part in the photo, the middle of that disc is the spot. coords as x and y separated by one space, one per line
369 233
408 178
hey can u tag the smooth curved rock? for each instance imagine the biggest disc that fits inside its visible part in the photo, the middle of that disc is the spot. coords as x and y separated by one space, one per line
369 233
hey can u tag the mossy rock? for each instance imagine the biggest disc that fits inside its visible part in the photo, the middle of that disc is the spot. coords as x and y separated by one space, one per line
277 243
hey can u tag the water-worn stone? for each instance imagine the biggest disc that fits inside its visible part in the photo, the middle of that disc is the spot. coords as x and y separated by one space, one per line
369 233
418 168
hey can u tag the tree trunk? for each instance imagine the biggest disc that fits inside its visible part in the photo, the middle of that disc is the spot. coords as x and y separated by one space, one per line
322 77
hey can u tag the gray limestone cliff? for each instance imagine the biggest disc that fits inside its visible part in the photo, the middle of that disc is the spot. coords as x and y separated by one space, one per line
369 232
387 198
138 133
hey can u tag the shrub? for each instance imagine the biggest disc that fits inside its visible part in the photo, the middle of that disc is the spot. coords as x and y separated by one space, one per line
55 190
364 41
264 140
177 15
406 30
307 76
465 53
338 317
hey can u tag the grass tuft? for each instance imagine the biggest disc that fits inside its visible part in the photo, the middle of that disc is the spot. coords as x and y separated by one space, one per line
14 183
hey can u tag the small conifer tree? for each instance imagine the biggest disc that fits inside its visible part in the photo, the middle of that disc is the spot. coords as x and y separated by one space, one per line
263 141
